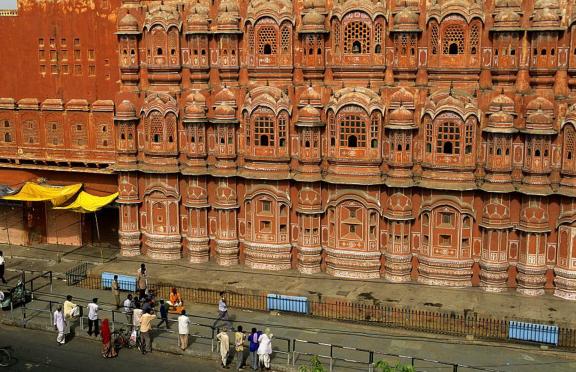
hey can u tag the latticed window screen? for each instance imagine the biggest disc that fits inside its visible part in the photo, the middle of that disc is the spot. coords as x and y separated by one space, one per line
104 135
357 38
453 40
30 132
267 40
156 132
159 40
428 136
251 39
448 139
79 135
55 133
569 143
434 39
173 42
474 38
264 130
171 127
285 39
375 125
7 131
352 130
502 145
247 130
469 136
336 34
282 124
378 35
332 128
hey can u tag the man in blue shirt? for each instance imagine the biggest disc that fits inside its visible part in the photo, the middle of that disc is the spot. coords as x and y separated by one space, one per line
222 312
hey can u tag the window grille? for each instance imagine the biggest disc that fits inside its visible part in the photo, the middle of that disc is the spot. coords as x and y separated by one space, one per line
434 39
569 143
352 130
453 40
357 38
264 131
267 40
474 39
285 39
448 139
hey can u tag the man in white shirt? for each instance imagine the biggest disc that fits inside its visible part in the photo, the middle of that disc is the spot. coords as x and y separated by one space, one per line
129 309
93 317
183 330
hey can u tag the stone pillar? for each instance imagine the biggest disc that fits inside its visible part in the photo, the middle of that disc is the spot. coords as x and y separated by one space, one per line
565 269
309 247
226 207
531 264
398 255
494 260
129 230
196 219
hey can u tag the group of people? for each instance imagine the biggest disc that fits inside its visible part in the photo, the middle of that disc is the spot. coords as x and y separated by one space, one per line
259 346
139 309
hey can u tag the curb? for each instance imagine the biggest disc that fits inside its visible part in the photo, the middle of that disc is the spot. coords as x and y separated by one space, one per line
159 347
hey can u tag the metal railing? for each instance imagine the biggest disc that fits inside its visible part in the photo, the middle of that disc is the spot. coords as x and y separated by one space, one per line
77 274
292 349
437 322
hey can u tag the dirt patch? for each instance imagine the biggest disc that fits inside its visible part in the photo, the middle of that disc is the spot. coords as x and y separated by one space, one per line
437 304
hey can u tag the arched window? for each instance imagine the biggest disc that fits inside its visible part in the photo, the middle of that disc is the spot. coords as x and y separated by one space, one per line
352 127
569 148
448 138
264 130
453 39
357 37
267 40
434 38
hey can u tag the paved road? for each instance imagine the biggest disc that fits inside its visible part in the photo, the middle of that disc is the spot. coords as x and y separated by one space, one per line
38 351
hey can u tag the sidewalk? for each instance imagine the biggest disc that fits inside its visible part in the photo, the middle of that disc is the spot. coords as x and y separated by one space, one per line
496 356
509 304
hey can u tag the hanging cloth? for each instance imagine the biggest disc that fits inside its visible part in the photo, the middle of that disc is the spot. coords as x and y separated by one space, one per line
87 203
58 195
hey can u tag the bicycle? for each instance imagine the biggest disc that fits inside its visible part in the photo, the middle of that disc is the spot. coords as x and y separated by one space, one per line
5 356
121 339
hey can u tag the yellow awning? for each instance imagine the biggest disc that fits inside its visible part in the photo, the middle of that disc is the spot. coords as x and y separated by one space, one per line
34 192
86 203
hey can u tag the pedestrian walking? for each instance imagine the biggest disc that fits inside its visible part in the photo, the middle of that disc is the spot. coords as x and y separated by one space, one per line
129 309
224 344
116 291
2 267
183 330
137 315
147 305
93 317
60 325
253 338
163 315
142 281
108 349
265 348
222 312
145 327
239 338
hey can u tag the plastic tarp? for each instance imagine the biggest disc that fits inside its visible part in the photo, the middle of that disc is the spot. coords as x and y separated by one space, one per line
87 203
6 190
58 195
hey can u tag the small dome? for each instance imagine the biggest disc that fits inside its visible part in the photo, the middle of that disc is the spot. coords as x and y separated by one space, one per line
224 112
195 107
225 95
550 4
507 16
501 119
540 103
502 102
128 23
313 18
402 97
126 110
539 119
508 3
407 4
311 96
545 15
401 115
309 112
405 17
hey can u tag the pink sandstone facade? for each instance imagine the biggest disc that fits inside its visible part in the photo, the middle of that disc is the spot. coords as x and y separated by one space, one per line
430 141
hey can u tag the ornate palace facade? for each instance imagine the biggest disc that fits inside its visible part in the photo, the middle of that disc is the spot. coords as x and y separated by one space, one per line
405 139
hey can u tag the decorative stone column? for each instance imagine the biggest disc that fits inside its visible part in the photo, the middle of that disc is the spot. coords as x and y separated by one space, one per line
196 204
128 232
309 211
226 207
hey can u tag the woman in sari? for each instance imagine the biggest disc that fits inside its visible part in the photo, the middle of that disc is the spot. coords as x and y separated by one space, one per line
108 350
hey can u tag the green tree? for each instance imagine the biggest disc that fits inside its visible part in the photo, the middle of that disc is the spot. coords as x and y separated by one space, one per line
314 366
384 366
